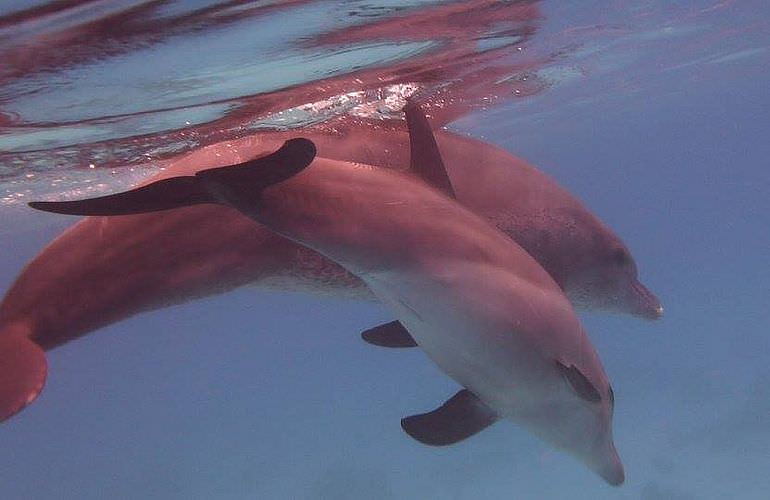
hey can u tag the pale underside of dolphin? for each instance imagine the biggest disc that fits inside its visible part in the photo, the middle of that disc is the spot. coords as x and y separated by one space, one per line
478 304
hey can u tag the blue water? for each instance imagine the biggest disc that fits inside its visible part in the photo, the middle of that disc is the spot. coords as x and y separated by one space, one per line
654 113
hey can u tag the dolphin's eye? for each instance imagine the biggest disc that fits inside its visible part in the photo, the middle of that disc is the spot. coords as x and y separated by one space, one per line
620 256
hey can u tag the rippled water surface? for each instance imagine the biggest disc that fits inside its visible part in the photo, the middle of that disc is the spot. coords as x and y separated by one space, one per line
654 113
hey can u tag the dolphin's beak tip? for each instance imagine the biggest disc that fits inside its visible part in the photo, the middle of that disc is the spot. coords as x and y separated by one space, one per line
648 305
653 313
614 474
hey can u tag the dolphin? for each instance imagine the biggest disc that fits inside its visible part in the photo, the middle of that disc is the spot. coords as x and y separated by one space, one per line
192 252
477 303
189 252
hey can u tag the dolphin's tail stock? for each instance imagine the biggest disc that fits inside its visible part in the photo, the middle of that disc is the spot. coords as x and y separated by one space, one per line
288 160
23 369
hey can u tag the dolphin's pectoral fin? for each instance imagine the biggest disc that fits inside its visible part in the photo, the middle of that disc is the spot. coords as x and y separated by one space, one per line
23 369
161 195
425 157
459 418
579 382
391 334
288 160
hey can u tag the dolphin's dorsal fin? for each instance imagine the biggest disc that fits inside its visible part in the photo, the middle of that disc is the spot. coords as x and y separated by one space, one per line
391 334
459 418
425 157
579 382
288 160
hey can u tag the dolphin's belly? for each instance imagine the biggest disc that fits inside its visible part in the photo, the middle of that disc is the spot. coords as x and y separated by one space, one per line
475 328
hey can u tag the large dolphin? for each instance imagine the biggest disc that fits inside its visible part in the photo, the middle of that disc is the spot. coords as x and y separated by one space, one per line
477 303
191 252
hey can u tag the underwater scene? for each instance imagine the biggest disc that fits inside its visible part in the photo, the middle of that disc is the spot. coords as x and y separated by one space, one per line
397 249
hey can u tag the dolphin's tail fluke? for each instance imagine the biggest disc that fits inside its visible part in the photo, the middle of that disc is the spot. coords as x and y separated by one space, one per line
23 369
288 160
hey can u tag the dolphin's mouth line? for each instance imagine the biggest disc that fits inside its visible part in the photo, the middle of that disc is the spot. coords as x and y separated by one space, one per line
416 314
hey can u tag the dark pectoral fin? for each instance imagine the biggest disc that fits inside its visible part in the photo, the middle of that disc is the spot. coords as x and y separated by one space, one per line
391 334
161 195
459 418
426 158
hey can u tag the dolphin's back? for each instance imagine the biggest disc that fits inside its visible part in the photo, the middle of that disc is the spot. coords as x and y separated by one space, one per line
368 219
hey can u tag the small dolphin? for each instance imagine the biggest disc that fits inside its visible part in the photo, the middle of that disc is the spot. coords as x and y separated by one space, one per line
479 305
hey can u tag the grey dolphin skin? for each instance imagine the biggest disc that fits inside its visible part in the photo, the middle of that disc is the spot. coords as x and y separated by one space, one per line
479 305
